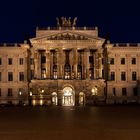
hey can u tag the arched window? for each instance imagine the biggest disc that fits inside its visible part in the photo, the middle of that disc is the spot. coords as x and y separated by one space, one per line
55 72
67 71
94 90
54 98
79 72
81 98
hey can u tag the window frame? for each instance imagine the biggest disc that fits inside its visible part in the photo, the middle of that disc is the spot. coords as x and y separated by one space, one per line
123 61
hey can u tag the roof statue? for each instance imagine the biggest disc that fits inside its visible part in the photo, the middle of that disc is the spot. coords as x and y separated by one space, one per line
66 22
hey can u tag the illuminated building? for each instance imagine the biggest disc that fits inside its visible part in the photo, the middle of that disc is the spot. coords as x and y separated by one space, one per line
68 65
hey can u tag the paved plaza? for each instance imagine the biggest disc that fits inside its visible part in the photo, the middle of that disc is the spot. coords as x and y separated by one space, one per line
70 123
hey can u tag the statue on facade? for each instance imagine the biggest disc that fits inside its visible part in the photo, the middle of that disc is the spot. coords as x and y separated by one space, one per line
74 22
64 22
58 22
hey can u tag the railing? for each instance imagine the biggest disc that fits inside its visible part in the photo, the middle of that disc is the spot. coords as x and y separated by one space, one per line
9 45
127 45
67 28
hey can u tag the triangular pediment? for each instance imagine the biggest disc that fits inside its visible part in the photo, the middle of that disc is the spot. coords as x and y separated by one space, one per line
67 35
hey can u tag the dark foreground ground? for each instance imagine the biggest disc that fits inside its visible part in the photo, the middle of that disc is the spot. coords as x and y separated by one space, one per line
70 123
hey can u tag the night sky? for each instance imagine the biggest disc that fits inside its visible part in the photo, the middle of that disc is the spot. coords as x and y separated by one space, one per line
117 19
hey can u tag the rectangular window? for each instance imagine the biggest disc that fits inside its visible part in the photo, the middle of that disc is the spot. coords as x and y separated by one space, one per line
124 92
0 61
134 76
32 74
10 92
133 61
91 59
32 61
10 76
123 76
112 61
43 73
135 91
0 76
114 91
102 61
21 61
21 76
10 61
112 76
103 74
43 59
122 61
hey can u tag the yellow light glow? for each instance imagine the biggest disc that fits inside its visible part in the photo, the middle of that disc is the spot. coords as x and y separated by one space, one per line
41 102
42 90
31 93
94 91
34 102
20 93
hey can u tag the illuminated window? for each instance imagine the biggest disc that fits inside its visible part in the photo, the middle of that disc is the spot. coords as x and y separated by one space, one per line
20 92
81 98
21 76
79 72
55 72
134 76
43 73
54 98
10 76
10 92
123 76
133 61
10 61
67 71
21 61
122 61
94 91
91 73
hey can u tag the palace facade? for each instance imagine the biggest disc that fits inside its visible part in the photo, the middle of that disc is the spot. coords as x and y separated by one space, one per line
69 65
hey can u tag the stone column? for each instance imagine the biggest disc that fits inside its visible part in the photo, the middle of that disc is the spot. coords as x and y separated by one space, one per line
96 66
75 62
60 97
47 64
61 63
87 61
71 60
51 65
100 64
37 64
84 64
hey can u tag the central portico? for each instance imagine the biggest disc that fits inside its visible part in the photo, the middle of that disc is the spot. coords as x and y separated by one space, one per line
66 55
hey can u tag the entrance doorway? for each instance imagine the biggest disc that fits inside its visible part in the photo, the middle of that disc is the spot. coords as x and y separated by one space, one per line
81 98
68 97
54 98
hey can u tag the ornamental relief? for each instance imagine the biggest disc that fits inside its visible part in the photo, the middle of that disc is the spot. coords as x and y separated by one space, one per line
67 36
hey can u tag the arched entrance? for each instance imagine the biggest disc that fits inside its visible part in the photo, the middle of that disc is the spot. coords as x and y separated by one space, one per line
81 98
54 98
68 98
